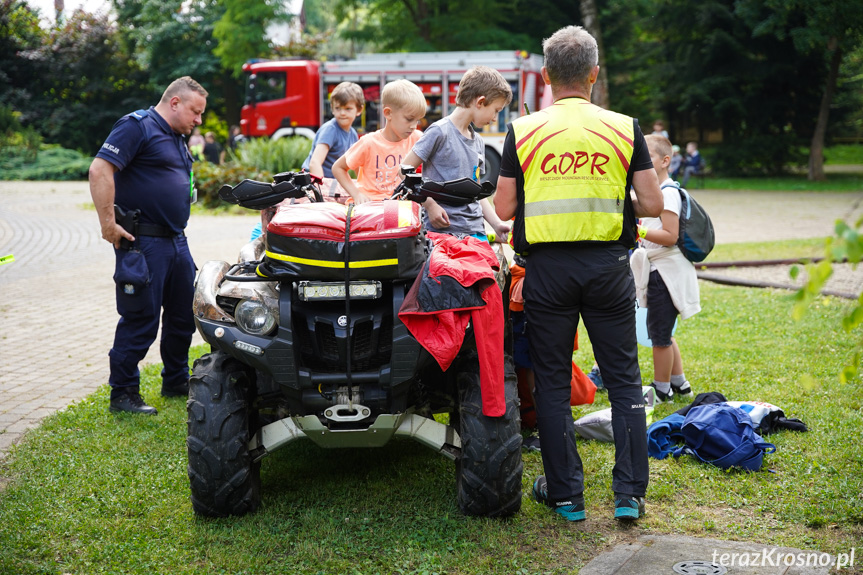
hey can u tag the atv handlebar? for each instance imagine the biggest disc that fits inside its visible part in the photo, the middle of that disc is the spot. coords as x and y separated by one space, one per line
257 195
261 195
453 192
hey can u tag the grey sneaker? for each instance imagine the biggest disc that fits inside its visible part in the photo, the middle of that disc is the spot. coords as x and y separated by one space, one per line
530 443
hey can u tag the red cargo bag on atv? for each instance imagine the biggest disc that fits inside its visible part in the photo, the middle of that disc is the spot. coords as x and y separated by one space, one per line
307 241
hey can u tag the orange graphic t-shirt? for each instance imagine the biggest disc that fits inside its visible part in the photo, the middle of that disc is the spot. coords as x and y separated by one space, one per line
376 161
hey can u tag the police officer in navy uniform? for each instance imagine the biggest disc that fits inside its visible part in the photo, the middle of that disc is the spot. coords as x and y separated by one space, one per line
145 166
566 175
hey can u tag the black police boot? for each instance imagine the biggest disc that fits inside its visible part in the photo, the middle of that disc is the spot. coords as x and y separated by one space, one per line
131 401
181 390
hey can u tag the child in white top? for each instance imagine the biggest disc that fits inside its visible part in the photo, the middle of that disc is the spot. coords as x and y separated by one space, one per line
672 286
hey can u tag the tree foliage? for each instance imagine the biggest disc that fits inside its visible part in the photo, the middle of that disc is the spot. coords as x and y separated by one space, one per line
814 27
172 38
82 83
749 72
845 245
241 32
428 25
19 31
756 90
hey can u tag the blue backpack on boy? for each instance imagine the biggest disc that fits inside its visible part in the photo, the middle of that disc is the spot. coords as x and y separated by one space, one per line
724 436
696 237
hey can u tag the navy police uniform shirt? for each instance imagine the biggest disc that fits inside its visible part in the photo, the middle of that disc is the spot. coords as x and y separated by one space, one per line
154 169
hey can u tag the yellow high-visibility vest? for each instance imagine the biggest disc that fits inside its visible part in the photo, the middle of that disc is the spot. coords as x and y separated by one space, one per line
575 158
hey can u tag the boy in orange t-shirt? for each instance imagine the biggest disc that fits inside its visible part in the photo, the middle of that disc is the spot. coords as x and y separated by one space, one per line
377 157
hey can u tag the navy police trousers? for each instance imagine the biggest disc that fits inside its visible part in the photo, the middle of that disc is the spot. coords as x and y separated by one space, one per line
169 293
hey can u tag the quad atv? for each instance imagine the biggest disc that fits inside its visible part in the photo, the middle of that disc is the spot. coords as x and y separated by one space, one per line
306 343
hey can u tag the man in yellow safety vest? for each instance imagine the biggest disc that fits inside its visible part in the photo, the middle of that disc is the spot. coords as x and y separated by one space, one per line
566 175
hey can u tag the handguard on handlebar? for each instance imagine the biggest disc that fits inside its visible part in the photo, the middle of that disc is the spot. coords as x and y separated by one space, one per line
454 192
261 195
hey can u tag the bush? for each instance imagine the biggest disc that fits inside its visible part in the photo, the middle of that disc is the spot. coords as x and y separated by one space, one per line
274 156
209 178
16 141
51 163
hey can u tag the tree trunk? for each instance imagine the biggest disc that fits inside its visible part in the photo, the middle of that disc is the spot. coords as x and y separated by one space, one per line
232 100
590 16
816 149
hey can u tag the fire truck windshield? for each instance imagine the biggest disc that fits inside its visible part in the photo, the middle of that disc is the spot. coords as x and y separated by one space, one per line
266 86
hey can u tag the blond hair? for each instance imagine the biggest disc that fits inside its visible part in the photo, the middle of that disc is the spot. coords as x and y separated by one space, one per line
180 86
405 96
482 81
658 144
347 93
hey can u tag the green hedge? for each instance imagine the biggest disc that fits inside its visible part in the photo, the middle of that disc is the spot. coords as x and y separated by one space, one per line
274 156
51 163
256 159
209 179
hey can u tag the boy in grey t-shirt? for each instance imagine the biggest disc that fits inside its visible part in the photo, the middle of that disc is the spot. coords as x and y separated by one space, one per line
451 149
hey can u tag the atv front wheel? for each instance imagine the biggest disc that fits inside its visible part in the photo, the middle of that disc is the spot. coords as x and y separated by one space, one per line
223 479
489 471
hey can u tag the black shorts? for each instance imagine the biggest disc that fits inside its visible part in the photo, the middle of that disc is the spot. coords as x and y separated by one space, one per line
661 313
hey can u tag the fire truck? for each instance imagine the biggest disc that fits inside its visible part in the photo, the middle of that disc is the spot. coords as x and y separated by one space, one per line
291 97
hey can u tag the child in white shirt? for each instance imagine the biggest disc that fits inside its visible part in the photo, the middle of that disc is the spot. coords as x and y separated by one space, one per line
672 287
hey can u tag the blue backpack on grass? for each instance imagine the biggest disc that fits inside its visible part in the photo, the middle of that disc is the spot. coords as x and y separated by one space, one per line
724 436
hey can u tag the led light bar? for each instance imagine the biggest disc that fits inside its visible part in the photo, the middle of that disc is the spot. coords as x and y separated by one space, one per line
323 291
248 347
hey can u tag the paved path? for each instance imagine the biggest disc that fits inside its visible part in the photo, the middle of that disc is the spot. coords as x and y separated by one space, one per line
57 313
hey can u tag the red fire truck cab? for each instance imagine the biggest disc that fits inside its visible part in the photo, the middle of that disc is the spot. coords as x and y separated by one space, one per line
291 97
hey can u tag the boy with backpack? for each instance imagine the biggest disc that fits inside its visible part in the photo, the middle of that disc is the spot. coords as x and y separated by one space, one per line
665 279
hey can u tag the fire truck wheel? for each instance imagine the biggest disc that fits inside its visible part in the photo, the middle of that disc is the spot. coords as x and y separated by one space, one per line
489 471
223 479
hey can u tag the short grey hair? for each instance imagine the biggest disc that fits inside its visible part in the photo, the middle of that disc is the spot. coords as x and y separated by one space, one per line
570 56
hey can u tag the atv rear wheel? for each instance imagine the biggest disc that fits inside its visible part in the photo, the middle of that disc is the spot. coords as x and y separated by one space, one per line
489 471
223 479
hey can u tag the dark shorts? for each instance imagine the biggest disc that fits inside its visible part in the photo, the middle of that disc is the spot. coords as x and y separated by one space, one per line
661 313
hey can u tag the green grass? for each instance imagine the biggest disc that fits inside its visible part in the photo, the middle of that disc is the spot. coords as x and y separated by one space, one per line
777 250
94 492
790 183
844 154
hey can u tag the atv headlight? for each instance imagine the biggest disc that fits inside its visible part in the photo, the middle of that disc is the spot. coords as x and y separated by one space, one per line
254 317
310 291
